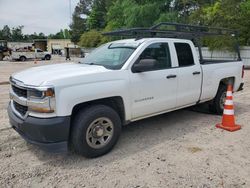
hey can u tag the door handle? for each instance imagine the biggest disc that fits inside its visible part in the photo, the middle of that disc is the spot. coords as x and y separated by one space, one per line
196 72
171 76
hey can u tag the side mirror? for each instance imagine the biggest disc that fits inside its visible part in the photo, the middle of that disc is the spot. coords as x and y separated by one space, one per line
144 65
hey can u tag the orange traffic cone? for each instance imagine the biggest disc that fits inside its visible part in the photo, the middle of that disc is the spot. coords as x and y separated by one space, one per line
228 121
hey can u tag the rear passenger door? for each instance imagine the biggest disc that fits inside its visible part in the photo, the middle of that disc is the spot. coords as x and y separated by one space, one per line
188 73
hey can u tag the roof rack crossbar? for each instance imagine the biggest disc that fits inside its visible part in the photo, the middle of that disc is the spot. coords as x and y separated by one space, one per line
219 29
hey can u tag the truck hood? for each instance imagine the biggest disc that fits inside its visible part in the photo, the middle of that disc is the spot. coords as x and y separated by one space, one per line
44 75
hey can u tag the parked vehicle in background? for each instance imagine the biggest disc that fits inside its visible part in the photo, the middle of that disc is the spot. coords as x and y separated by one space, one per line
4 50
23 55
84 105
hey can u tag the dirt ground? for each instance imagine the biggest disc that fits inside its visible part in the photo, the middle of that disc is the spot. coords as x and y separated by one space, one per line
177 149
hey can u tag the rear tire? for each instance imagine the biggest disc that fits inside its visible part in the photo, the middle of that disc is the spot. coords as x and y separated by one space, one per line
217 104
22 58
95 131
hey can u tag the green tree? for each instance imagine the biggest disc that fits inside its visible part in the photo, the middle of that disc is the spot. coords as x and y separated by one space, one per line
116 16
91 39
233 14
6 32
186 7
58 35
139 13
1 34
97 17
42 36
244 22
17 34
66 34
78 25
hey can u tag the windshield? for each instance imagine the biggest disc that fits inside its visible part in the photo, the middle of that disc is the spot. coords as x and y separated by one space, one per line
111 56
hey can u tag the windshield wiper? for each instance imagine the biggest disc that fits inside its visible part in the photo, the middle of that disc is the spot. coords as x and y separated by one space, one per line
95 64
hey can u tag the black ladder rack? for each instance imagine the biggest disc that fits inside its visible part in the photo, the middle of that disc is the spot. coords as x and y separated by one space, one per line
173 30
177 30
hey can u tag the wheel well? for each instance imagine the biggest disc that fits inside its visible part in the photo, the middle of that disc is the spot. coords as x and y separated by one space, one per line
223 83
114 102
22 56
226 81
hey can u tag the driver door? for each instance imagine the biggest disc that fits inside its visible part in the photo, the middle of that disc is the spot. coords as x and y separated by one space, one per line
154 91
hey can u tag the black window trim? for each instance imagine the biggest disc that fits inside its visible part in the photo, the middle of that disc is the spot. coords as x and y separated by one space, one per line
154 69
177 55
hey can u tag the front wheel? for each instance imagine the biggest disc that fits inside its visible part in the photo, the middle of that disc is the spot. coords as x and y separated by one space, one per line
217 104
96 130
47 57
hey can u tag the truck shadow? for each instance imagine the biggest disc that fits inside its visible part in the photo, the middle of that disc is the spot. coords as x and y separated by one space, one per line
135 138
141 136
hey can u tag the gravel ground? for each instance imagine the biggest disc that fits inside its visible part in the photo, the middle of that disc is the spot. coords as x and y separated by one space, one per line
163 151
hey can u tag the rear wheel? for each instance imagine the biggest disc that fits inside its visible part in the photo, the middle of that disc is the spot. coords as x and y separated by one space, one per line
22 58
217 104
96 130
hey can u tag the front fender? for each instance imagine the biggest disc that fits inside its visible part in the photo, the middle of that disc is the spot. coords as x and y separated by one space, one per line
76 94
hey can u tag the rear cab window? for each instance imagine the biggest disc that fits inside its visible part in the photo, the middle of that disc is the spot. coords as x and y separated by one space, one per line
184 54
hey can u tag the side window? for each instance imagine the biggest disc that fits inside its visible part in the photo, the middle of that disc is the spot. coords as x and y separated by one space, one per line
38 50
184 54
159 52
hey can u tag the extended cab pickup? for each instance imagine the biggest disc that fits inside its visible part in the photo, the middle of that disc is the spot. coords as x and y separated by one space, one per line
36 54
83 105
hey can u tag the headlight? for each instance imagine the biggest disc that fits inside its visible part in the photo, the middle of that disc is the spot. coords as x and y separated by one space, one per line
41 93
41 100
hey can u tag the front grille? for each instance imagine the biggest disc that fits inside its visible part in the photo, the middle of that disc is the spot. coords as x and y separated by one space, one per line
20 108
19 92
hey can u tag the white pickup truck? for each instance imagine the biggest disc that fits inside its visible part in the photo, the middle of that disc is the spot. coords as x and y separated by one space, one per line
84 105
24 55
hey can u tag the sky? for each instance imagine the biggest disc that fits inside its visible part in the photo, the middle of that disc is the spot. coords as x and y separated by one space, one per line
47 16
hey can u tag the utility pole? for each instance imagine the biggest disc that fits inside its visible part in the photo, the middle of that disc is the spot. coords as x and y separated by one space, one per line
70 13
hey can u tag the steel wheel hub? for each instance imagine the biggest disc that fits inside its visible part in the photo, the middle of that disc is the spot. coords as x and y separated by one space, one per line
99 132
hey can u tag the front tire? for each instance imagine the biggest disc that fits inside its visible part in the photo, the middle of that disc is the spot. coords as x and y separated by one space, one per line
217 104
47 57
96 130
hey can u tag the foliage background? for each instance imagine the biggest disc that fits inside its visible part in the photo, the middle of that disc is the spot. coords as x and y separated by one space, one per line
92 17
107 15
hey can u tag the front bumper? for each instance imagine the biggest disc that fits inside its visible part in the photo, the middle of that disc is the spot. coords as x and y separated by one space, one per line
50 134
